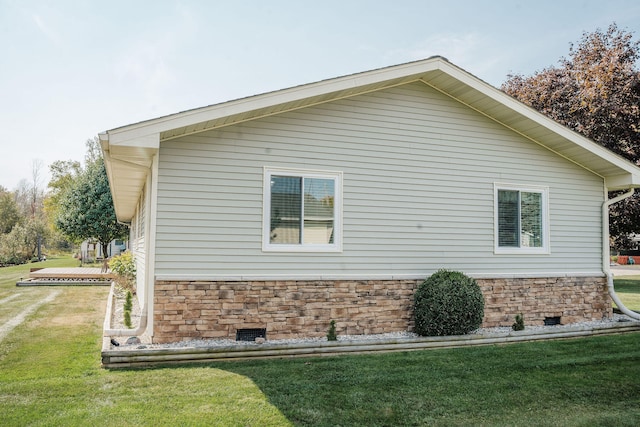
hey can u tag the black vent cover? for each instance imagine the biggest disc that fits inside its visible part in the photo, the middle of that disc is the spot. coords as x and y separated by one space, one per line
251 334
551 321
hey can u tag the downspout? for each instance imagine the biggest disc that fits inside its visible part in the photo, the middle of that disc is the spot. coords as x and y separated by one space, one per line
606 268
145 308
142 325
107 332
106 328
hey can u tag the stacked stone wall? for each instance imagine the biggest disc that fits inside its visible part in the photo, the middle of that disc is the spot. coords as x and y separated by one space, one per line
572 299
185 310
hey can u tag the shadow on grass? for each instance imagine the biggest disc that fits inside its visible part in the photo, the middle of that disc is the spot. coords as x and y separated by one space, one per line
589 381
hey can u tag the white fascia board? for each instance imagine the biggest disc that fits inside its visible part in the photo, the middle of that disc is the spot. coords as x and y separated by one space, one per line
199 115
135 138
523 109
109 168
104 140
539 118
147 134
622 182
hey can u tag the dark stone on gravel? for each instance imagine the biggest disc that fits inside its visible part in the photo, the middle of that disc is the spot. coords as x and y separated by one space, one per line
133 340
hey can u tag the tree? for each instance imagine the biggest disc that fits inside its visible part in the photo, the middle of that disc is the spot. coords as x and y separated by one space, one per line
94 151
13 246
595 92
29 194
22 196
36 195
20 245
86 208
9 212
25 238
63 175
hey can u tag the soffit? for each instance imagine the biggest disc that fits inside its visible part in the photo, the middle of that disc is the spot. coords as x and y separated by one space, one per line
127 169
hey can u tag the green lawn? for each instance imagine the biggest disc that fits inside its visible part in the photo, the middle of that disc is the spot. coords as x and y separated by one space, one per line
628 290
50 375
50 372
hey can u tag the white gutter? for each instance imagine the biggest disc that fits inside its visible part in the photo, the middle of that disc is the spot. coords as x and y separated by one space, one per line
108 332
606 268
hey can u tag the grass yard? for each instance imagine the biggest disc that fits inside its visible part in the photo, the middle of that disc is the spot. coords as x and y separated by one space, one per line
586 382
50 371
50 375
628 290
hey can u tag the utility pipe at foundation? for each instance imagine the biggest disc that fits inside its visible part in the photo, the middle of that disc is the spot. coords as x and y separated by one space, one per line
607 259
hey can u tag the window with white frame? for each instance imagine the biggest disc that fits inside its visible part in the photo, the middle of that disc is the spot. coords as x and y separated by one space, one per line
521 219
302 210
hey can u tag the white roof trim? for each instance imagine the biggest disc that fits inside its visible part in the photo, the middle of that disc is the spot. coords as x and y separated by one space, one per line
283 96
140 141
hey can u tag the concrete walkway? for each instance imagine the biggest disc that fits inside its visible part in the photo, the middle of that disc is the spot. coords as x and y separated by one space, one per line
625 270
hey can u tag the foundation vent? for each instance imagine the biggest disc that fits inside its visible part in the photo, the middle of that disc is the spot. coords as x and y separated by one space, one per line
251 334
552 321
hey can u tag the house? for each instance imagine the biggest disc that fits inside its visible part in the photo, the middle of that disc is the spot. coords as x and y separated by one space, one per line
91 250
278 213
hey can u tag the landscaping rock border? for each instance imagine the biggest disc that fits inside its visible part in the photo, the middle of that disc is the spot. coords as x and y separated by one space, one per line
134 353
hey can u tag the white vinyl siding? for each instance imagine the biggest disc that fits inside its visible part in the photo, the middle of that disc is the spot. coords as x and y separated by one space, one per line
418 191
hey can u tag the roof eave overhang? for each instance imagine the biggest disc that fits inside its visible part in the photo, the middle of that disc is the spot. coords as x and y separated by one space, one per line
617 172
128 163
622 182
130 148
231 112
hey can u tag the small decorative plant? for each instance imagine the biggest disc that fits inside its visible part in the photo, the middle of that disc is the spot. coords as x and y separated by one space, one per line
128 305
127 319
331 334
519 323
128 301
123 267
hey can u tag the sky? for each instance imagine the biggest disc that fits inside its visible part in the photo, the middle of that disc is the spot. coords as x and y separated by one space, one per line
70 70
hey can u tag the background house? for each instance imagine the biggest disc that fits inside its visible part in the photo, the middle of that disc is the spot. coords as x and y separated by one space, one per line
92 250
333 200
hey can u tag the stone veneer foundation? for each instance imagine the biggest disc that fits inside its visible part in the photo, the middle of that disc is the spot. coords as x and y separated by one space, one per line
185 310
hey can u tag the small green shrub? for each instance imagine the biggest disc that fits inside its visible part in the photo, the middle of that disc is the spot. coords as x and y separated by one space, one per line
331 334
448 303
127 307
127 319
128 301
123 267
519 323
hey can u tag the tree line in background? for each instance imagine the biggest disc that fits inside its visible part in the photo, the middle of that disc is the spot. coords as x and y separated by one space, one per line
595 91
77 206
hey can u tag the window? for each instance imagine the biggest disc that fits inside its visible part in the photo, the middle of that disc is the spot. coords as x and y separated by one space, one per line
521 219
302 210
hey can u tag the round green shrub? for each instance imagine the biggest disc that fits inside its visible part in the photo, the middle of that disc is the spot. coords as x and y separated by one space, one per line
448 303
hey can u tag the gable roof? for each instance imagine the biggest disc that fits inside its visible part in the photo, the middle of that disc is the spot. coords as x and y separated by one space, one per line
129 150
